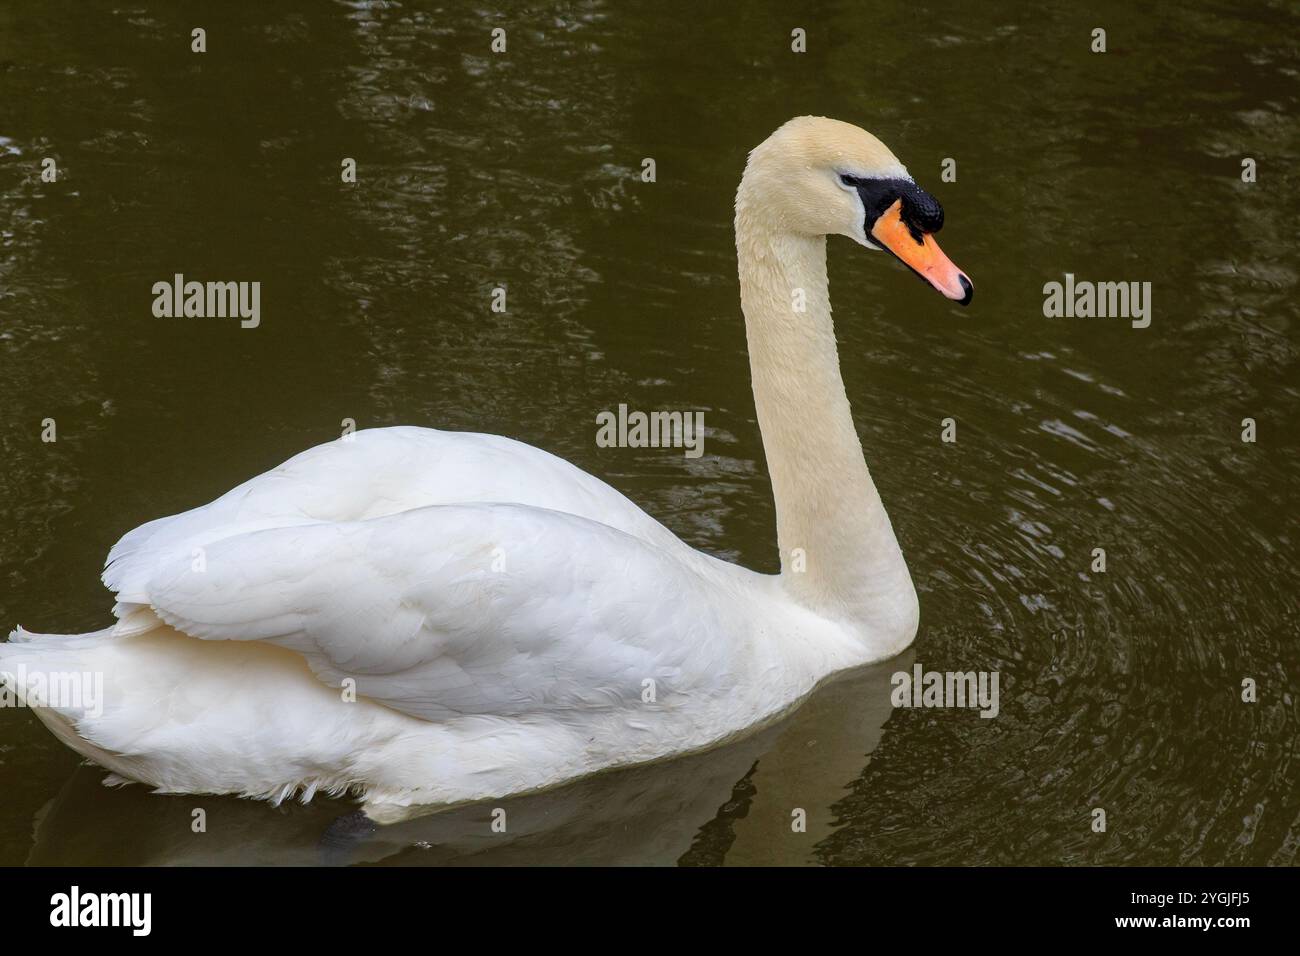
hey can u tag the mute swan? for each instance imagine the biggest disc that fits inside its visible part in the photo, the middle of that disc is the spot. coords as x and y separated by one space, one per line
428 618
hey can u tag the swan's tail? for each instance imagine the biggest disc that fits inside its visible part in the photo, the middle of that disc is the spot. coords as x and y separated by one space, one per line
54 676
48 671
184 715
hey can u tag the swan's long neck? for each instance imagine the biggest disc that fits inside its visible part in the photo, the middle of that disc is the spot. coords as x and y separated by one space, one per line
839 555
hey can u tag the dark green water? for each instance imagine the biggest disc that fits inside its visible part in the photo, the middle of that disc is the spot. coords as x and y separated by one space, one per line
1119 690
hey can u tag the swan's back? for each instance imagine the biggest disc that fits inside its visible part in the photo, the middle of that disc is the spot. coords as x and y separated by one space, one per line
371 474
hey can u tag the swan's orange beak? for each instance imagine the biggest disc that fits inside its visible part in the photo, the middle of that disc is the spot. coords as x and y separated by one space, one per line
923 256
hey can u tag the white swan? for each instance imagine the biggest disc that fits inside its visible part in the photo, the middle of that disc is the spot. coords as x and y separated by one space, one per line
500 613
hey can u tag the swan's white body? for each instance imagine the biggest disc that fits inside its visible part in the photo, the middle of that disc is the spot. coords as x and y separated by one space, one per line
430 617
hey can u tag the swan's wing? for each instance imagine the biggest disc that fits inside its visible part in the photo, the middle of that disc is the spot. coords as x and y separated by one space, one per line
487 610
372 473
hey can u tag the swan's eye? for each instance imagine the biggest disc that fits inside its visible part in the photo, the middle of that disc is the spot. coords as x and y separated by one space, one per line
848 180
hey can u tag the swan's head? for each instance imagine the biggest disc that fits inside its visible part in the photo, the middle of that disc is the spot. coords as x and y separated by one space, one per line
818 177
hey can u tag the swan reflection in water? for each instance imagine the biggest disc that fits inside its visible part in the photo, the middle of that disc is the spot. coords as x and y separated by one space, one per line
733 805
